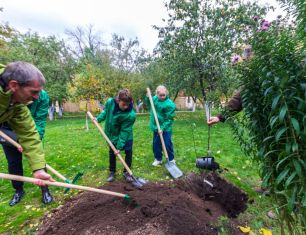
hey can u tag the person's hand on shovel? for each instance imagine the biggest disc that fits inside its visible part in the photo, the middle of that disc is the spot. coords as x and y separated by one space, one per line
117 152
20 149
42 175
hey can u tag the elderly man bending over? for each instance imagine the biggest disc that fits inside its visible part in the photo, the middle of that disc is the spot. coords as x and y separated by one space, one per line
20 84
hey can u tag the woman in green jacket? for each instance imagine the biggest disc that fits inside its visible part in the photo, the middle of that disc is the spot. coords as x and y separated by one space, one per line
119 118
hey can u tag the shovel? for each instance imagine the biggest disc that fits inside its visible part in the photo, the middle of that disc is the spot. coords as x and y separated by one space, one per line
207 162
18 146
137 182
174 171
59 175
125 197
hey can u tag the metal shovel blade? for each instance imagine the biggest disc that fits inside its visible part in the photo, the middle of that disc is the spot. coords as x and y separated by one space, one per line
138 182
75 179
174 171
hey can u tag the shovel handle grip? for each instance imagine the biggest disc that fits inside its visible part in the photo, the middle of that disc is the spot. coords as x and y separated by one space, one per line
157 124
59 184
109 142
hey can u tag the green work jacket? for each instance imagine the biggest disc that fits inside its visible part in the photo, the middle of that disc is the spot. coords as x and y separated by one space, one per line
165 111
118 124
39 110
19 118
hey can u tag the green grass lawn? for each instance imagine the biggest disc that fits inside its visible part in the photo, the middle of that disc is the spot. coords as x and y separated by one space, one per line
71 149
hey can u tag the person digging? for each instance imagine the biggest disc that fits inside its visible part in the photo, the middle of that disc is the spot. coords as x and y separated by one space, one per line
39 112
119 118
21 83
165 110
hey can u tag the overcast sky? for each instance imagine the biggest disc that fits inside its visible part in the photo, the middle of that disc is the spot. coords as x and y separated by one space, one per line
129 18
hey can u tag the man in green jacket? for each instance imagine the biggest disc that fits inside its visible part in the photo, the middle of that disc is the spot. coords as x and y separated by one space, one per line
165 111
21 83
119 118
39 112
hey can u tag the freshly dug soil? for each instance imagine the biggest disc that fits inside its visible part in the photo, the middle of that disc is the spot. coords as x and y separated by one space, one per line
189 205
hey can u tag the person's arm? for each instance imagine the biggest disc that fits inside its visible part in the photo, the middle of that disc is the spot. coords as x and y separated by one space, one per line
234 106
169 116
102 116
125 131
23 125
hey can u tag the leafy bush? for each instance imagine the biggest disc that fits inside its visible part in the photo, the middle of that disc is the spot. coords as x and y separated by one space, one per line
273 90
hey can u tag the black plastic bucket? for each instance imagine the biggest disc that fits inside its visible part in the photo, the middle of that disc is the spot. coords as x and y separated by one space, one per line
207 163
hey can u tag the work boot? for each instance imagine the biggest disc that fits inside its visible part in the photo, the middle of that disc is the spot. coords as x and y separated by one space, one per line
17 197
46 195
127 177
111 176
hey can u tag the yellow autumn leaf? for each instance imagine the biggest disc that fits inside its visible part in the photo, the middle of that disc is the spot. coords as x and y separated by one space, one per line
265 231
244 229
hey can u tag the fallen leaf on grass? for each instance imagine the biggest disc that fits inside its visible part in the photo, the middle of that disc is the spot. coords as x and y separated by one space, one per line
244 229
265 231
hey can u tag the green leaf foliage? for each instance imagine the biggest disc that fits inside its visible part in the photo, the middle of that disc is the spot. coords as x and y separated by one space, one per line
274 101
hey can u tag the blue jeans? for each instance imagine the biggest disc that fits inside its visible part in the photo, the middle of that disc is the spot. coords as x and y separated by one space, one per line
157 146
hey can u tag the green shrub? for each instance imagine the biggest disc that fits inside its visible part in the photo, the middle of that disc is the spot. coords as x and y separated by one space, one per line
272 129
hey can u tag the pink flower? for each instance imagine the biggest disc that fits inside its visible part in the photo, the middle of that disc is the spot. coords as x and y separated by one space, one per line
255 18
264 26
235 59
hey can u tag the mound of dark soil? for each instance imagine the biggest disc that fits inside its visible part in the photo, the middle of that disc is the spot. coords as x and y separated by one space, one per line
187 206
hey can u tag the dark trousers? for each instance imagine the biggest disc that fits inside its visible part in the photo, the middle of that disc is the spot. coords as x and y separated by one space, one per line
14 160
15 167
157 145
128 150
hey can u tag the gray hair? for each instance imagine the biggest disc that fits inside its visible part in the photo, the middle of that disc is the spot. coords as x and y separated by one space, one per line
22 72
161 87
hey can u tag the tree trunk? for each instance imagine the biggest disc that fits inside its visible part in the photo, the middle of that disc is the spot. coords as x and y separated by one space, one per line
86 120
176 94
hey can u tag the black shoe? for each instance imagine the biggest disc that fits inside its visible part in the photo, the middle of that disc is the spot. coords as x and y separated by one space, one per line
128 177
17 198
46 195
111 177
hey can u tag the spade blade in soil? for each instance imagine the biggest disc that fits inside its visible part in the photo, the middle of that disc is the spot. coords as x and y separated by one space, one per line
138 182
127 200
174 171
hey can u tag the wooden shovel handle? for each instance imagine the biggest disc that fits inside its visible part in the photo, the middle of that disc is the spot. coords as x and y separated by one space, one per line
55 172
109 142
13 142
157 124
59 184
9 139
